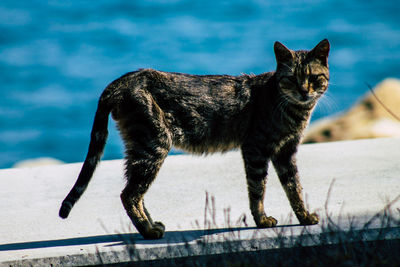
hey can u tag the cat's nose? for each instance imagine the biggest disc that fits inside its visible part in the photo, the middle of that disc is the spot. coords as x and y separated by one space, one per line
303 90
305 96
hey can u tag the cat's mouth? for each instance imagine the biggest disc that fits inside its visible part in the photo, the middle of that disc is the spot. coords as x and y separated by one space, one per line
307 97
301 98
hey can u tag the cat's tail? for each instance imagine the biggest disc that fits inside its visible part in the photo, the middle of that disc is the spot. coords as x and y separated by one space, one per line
97 143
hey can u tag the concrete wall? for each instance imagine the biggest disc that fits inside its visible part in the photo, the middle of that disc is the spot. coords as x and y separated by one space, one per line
365 174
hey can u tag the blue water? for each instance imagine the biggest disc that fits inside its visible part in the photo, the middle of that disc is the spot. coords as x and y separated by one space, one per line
57 56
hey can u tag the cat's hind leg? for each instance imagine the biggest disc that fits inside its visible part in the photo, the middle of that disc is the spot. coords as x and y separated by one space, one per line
147 141
142 165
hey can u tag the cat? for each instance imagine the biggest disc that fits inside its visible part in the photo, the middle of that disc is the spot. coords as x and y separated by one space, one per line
263 115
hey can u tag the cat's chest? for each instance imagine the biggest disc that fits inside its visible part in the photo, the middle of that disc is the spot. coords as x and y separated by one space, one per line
286 129
286 125
290 119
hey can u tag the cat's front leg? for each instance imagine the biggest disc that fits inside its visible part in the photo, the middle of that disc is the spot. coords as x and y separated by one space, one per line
256 166
285 165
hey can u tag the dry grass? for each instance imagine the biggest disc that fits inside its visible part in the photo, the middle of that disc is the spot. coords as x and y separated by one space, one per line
338 242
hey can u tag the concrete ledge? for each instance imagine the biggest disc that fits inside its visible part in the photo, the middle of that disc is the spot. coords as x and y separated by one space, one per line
365 173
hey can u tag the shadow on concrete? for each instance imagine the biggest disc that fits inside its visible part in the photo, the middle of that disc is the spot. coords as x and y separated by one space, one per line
171 237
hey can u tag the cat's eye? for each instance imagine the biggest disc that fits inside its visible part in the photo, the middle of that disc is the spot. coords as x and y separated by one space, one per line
313 78
318 79
289 80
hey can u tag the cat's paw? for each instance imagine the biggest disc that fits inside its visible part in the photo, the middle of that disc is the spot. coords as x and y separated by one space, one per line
267 222
310 219
155 232
159 225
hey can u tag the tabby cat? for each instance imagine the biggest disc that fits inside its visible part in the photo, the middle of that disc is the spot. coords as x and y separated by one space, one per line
264 115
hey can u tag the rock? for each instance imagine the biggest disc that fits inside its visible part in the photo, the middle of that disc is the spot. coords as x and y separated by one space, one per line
29 163
366 119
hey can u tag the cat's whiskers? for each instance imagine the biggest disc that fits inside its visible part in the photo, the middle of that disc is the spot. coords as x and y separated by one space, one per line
331 83
277 108
283 99
285 105
283 102
327 104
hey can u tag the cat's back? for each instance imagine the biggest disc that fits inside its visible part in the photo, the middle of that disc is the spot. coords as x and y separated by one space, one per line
155 81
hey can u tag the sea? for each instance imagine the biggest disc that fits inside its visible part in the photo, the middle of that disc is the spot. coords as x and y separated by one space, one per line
57 56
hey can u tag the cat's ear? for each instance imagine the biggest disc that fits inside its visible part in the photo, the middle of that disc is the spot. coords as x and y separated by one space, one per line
321 51
282 53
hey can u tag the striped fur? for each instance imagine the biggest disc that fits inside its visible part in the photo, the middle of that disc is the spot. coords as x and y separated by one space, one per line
264 115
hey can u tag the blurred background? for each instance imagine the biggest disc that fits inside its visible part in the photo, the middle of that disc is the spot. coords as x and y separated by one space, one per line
56 57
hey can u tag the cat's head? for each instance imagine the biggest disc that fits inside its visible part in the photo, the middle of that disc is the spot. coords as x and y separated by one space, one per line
302 76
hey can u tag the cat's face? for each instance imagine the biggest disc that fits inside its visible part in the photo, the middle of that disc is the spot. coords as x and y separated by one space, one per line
302 76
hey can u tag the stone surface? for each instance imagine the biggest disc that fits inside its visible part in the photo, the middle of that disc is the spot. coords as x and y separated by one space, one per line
29 163
365 174
368 118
